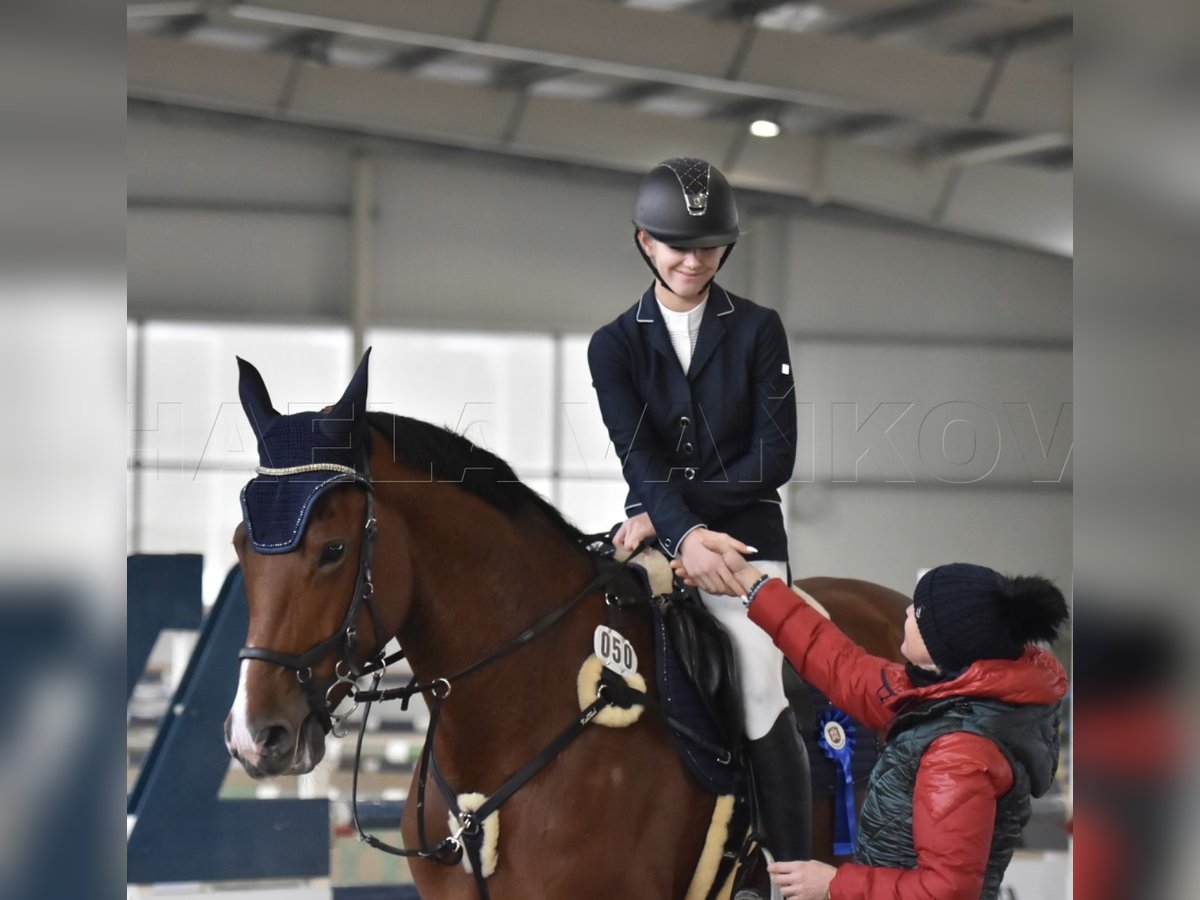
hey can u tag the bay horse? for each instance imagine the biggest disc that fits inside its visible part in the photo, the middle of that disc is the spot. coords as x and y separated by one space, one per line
362 528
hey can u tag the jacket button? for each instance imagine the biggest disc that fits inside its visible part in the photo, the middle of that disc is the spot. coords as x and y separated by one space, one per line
689 473
685 422
667 542
688 448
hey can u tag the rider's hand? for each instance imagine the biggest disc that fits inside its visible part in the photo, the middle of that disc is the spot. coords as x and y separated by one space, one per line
633 531
743 571
704 561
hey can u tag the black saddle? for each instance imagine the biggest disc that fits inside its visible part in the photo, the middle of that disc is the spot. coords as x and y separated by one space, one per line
706 656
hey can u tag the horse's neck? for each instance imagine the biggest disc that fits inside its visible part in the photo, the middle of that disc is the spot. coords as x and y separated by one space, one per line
474 597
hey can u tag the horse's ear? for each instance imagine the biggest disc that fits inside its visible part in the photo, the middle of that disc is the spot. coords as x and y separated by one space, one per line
256 402
353 405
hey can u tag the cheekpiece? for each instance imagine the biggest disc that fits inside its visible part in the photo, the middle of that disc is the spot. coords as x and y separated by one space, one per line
300 457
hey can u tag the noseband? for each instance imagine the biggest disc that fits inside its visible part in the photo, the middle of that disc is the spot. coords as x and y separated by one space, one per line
468 838
346 670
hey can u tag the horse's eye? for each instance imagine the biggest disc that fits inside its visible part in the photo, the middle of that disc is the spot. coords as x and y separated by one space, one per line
332 553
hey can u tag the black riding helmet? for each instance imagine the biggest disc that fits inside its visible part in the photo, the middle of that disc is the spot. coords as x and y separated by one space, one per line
686 202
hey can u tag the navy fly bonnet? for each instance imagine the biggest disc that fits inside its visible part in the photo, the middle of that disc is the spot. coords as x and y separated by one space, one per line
300 457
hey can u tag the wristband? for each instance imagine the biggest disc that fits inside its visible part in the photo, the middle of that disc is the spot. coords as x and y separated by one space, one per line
754 589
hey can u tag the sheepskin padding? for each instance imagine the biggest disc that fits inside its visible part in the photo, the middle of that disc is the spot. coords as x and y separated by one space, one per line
656 566
710 856
489 853
588 687
812 601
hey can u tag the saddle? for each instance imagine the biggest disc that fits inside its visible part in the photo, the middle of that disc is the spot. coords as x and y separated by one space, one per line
706 655
697 676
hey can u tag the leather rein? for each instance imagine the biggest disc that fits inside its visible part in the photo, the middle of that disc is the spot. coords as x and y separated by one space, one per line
469 836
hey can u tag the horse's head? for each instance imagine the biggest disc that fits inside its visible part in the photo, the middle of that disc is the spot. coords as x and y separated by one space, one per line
305 549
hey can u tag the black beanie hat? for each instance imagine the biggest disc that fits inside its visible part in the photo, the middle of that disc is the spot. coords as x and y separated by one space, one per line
967 612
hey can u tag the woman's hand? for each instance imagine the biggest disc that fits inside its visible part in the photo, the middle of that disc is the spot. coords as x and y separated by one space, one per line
745 572
802 879
633 531
707 560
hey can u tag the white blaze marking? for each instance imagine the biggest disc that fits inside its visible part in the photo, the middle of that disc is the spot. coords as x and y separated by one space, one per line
239 733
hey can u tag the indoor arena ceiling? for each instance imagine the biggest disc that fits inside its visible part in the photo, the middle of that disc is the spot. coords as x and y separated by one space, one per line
951 113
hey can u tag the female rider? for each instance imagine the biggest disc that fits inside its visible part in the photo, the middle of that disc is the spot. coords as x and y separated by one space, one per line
695 387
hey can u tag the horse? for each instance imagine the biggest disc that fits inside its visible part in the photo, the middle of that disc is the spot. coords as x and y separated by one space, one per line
361 528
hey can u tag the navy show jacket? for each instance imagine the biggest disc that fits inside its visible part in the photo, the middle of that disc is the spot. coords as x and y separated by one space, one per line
713 446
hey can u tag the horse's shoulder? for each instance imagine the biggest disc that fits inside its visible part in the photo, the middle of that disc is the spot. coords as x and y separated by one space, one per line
871 614
841 592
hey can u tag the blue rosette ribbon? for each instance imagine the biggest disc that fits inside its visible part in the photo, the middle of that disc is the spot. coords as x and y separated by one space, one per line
835 735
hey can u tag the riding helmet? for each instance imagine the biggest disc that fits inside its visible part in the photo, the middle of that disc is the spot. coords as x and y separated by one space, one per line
686 202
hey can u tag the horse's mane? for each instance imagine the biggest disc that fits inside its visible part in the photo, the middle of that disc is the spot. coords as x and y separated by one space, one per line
452 458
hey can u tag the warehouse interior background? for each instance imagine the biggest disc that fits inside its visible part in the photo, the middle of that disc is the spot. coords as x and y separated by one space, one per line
451 184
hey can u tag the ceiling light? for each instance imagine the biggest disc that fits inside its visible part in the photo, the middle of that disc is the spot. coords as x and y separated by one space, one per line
764 128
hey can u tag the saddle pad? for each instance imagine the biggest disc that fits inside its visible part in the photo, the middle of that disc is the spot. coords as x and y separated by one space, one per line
680 699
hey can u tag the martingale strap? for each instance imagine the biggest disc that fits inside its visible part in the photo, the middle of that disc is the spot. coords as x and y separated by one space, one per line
469 838
470 833
607 574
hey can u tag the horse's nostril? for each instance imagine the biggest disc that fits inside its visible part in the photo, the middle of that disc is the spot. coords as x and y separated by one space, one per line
275 740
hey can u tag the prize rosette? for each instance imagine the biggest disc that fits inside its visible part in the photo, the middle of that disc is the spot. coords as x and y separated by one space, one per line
835 735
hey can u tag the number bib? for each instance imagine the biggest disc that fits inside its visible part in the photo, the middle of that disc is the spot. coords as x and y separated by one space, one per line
614 651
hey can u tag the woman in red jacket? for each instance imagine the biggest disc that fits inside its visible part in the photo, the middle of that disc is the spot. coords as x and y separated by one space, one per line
971 721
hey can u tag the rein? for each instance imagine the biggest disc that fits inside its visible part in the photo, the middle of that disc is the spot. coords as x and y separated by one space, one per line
469 836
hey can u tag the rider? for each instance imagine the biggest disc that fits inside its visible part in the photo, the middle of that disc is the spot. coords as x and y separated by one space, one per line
695 388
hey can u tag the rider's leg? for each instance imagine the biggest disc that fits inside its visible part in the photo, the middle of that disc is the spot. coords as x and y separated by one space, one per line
783 785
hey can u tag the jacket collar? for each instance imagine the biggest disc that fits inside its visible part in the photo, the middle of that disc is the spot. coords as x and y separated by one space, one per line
647 308
1034 678
712 326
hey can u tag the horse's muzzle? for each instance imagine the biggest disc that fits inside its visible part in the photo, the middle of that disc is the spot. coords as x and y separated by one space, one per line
280 749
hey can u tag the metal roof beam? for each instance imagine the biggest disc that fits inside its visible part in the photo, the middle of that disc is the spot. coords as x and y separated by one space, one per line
849 127
636 92
1021 205
900 18
1019 38
824 71
979 149
411 60
523 75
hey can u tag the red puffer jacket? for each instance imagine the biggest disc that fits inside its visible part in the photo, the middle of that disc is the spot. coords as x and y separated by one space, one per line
961 775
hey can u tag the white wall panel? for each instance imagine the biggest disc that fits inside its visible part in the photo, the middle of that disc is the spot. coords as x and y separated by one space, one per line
190 411
470 244
594 505
196 515
886 534
495 390
884 281
585 449
933 414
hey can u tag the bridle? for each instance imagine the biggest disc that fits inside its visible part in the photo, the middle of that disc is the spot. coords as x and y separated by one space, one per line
346 670
468 838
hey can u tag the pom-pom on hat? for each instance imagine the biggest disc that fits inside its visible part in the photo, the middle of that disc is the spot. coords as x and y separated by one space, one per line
967 612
